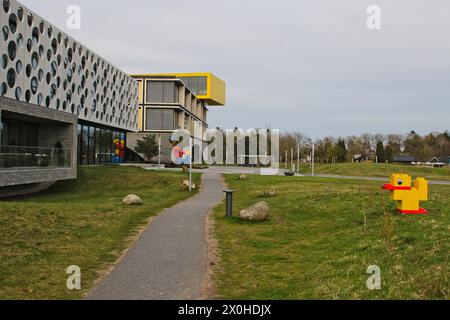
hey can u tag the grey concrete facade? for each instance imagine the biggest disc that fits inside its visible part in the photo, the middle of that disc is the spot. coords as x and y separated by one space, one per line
53 126
43 66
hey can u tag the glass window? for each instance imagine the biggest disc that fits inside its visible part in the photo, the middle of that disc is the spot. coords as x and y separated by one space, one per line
202 86
159 119
162 92
155 91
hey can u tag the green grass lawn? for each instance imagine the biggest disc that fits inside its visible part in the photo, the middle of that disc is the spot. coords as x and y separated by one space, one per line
322 236
79 222
378 170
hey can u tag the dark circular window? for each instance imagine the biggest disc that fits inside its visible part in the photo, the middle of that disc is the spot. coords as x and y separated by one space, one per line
11 77
18 93
52 90
6 5
4 61
41 26
19 66
20 13
27 96
69 54
29 45
54 46
48 77
49 54
49 31
69 75
34 60
54 67
19 40
28 70
12 50
34 85
5 32
40 74
30 19
3 89
13 23
35 35
40 98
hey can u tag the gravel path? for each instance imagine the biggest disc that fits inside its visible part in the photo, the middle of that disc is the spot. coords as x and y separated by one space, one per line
169 260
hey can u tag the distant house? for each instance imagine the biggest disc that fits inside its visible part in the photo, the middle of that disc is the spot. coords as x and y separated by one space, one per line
404 159
440 161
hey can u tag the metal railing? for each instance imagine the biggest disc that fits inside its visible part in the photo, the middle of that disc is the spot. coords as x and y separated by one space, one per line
26 157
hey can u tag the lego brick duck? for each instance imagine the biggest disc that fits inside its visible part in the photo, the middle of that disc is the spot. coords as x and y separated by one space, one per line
408 197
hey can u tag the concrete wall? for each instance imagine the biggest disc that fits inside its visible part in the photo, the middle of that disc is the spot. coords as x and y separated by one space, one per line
64 128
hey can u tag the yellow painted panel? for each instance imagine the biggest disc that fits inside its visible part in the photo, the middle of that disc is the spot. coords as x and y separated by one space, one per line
140 118
141 91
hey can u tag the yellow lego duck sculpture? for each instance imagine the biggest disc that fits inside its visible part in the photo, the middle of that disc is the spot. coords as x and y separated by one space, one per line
408 198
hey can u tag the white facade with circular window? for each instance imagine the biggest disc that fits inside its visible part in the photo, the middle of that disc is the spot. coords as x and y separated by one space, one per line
41 65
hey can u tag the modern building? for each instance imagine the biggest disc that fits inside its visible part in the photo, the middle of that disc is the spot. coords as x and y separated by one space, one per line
60 103
168 102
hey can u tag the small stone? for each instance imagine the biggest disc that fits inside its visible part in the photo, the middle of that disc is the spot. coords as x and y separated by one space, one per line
268 193
186 184
131 200
258 212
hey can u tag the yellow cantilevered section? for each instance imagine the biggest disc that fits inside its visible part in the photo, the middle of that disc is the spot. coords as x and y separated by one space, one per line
214 94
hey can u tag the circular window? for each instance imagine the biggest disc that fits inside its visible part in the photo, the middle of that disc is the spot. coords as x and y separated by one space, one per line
40 74
34 85
48 77
41 50
27 96
34 60
13 23
30 19
52 90
6 5
58 102
47 101
28 70
29 45
20 13
19 66
12 50
49 31
54 46
49 54
69 54
11 77
69 75
54 67
40 98
59 37
4 61
3 89
41 26
19 40
18 93
35 35
5 32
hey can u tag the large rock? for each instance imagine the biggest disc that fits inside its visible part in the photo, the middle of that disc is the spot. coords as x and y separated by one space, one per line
258 212
132 200
243 177
186 184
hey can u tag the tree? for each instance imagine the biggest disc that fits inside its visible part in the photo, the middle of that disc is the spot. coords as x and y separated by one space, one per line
147 146
341 150
380 151
388 154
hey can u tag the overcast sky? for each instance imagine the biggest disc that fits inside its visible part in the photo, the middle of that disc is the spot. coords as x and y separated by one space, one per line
310 66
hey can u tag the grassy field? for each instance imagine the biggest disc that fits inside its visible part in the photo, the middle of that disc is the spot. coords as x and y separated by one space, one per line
379 170
322 236
80 222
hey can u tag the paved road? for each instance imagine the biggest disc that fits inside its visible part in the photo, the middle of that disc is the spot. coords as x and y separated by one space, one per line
169 260
249 170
